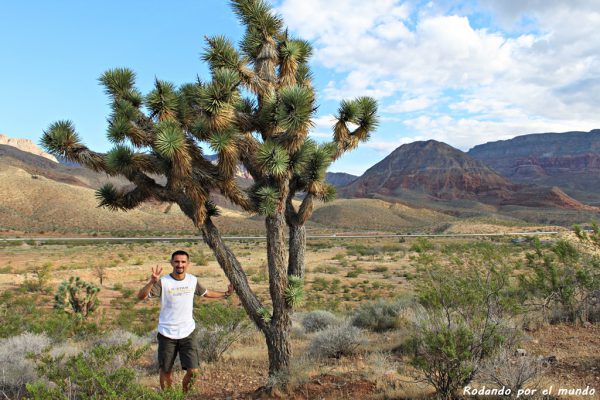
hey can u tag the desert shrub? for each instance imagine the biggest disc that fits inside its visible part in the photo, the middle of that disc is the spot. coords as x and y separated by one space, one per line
219 327
318 320
336 341
199 258
362 250
118 337
563 282
380 315
40 282
421 245
22 312
215 340
380 268
447 354
468 310
94 374
514 372
17 367
325 269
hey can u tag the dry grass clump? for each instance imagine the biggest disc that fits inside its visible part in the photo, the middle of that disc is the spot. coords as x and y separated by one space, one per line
17 367
319 320
336 341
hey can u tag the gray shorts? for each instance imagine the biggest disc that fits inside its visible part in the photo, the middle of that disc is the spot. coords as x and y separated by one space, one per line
189 355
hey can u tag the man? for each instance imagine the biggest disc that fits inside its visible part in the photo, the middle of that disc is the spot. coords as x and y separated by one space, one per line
176 325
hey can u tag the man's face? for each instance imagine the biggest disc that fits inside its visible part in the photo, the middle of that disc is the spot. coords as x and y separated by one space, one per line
179 264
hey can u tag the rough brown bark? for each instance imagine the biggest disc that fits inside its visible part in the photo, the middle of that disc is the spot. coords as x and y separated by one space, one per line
277 336
233 270
297 246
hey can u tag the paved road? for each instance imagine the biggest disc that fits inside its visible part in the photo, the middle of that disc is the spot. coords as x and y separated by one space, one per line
332 236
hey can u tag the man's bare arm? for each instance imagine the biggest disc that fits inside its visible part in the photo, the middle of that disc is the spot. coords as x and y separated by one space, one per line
145 291
213 294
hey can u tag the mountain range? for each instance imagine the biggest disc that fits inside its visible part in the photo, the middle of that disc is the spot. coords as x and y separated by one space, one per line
548 178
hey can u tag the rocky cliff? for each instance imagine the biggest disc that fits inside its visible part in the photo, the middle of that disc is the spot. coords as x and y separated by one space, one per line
433 170
27 146
569 160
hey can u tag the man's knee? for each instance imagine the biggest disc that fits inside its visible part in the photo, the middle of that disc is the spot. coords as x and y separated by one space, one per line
192 371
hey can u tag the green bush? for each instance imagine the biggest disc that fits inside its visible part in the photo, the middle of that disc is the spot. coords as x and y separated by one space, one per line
564 280
102 372
421 245
336 341
467 307
319 320
379 316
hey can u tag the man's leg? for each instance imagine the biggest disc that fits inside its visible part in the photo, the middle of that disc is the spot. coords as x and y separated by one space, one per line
189 378
167 351
166 379
190 359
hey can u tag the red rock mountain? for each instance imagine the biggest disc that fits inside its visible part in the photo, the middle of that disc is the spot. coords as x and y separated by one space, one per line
433 170
570 160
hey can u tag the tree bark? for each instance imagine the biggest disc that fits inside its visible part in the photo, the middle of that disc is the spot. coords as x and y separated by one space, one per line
297 246
233 270
277 335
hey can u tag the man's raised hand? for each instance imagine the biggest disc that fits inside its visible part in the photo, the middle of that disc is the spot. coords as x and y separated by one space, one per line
156 274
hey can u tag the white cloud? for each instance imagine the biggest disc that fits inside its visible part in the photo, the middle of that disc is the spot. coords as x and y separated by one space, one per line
409 105
534 69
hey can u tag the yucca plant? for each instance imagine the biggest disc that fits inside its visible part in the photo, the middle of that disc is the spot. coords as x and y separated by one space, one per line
77 297
256 112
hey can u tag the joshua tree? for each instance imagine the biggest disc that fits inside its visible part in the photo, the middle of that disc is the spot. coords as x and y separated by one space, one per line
256 112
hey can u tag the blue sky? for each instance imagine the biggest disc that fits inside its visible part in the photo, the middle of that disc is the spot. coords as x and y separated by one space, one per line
462 72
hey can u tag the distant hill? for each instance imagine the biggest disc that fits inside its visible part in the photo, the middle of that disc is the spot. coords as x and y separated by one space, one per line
433 171
25 145
41 166
339 179
569 160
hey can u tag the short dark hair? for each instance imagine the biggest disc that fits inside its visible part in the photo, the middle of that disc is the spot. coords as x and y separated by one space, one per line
179 253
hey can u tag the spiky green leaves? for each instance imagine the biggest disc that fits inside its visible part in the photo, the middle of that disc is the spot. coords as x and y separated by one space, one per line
295 107
170 142
267 199
366 117
119 84
60 138
163 101
272 159
222 141
120 159
219 97
170 139
294 292
211 209
362 112
265 314
224 144
327 194
318 160
257 15
297 50
109 197
220 53
114 199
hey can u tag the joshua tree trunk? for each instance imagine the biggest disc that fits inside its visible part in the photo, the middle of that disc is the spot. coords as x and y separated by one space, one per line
277 334
297 245
278 345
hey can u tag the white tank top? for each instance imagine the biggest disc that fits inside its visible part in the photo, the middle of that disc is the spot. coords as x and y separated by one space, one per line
176 319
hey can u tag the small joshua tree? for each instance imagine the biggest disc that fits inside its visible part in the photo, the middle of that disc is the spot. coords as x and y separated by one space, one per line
255 111
77 296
